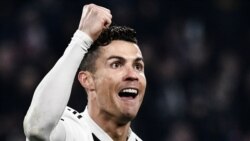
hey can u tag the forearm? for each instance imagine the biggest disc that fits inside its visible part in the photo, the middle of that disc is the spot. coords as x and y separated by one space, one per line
52 94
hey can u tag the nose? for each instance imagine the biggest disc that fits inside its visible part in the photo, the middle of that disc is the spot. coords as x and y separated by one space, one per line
130 74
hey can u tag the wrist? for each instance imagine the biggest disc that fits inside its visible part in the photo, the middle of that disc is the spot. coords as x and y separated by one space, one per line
83 39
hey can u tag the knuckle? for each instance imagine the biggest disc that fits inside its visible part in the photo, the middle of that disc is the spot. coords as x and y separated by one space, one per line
91 5
85 7
109 11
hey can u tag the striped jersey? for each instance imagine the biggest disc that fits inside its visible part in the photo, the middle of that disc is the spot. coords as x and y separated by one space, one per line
81 127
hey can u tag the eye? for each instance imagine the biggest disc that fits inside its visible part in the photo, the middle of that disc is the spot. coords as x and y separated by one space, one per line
139 67
116 65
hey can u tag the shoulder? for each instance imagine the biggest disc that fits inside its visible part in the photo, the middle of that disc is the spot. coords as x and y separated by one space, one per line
70 113
75 126
74 119
135 137
66 126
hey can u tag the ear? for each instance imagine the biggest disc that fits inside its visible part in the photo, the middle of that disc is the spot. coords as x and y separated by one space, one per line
86 80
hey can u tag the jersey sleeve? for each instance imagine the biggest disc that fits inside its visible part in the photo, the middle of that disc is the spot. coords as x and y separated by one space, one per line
53 92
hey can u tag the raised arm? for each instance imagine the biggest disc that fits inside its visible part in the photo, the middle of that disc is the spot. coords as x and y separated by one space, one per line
52 94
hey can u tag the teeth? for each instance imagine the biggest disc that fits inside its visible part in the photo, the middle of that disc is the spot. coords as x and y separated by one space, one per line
130 91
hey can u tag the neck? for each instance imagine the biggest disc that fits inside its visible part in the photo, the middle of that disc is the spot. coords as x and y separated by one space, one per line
117 130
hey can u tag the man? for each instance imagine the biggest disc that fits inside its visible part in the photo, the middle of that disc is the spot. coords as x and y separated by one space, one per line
112 73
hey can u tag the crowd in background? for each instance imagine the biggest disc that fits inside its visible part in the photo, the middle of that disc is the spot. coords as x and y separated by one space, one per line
196 55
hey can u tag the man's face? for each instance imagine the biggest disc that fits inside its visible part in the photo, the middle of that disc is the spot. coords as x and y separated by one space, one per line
119 80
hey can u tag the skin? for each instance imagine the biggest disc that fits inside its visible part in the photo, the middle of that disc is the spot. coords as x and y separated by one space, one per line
120 65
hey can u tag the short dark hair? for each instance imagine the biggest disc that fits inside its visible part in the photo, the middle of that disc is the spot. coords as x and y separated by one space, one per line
109 34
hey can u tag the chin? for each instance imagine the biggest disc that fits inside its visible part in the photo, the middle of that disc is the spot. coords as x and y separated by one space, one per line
127 117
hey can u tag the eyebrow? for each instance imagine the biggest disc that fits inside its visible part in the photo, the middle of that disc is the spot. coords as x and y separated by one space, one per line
121 58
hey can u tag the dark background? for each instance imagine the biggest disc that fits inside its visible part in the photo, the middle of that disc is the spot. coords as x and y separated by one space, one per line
196 54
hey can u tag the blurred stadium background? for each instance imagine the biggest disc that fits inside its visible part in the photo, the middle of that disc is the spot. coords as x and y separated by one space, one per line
196 54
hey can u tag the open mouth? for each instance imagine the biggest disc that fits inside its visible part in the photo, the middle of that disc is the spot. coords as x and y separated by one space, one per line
128 93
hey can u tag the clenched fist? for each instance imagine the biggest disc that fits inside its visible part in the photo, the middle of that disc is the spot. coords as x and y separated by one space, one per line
94 19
